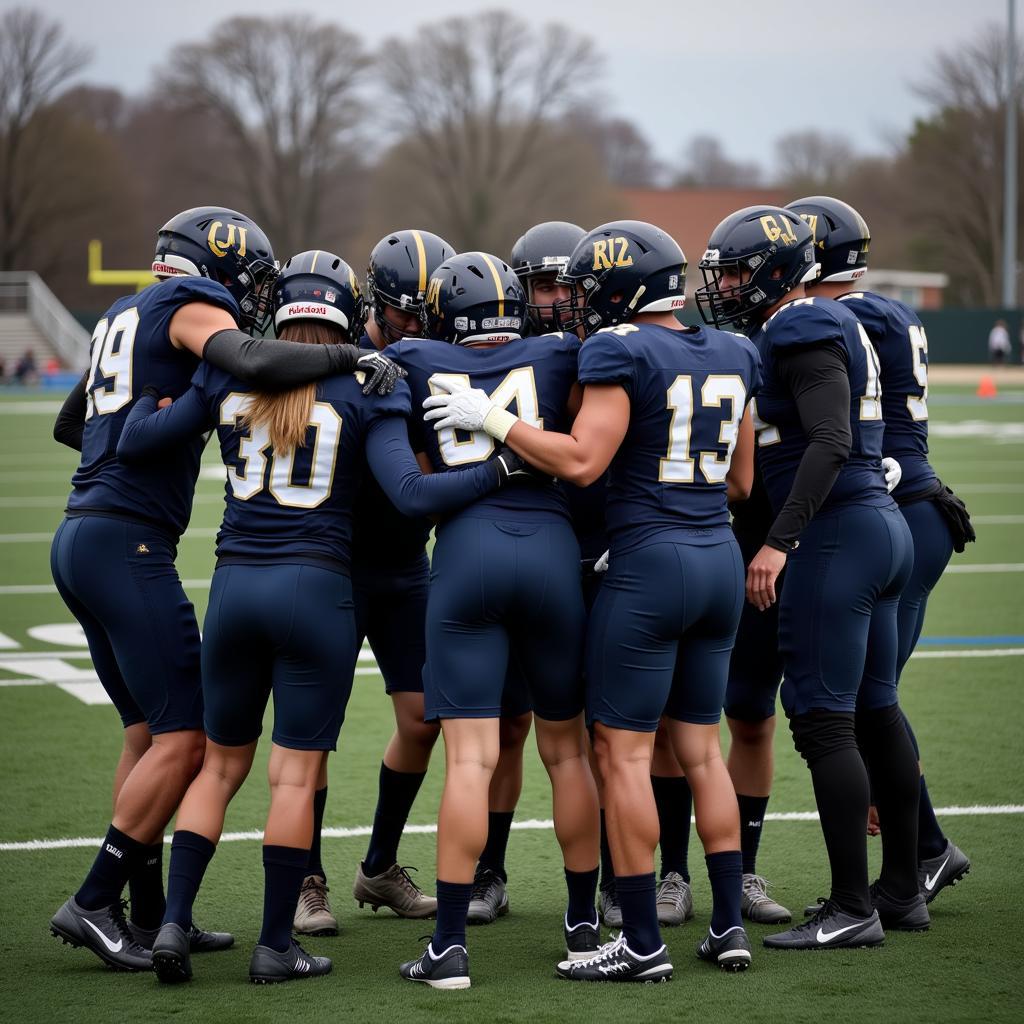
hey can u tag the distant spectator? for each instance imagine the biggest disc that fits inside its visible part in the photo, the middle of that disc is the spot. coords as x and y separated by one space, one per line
25 372
52 366
3 371
999 343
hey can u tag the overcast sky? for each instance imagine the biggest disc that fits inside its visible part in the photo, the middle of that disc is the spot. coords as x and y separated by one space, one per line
746 72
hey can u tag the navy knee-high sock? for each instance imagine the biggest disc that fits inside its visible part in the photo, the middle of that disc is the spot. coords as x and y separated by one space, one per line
674 801
752 811
190 855
582 886
725 872
395 795
638 900
499 825
316 866
452 906
607 868
284 868
146 888
118 857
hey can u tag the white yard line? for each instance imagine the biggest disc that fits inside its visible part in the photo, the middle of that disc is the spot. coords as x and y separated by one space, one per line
530 825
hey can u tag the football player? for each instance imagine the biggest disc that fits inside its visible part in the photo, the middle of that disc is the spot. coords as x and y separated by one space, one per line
937 519
113 556
389 587
536 258
848 554
662 407
280 620
504 576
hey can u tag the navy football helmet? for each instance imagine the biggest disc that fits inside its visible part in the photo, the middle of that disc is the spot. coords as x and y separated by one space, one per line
770 250
544 249
621 269
841 237
225 246
318 285
400 266
474 297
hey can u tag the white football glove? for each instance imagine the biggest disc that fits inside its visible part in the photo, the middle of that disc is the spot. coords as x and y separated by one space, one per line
465 408
893 472
601 565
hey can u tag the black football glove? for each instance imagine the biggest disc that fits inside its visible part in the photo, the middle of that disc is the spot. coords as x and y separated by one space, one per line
512 469
382 374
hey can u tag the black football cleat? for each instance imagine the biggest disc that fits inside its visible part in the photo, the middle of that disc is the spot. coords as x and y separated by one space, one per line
935 873
268 967
582 941
199 941
171 961
615 961
489 900
730 950
104 931
830 928
900 915
449 970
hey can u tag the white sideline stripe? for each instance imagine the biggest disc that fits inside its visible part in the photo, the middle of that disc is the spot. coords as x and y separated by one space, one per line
997 520
49 588
530 825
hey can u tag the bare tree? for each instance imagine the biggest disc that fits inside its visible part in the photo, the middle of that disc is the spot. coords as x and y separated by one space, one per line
625 152
471 97
953 166
813 162
706 165
283 93
35 62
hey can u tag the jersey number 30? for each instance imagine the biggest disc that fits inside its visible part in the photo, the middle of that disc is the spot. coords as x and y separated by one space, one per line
253 450
679 465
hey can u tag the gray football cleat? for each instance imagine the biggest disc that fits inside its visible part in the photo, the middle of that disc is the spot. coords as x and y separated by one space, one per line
758 906
675 901
104 931
313 911
394 889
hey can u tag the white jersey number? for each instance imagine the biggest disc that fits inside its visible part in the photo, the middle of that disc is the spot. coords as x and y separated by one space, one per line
917 405
111 356
519 386
679 466
254 450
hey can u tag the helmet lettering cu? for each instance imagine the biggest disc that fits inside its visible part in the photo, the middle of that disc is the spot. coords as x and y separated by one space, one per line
474 297
621 269
400 266
225 246
317 285
754 258
538 257
841 236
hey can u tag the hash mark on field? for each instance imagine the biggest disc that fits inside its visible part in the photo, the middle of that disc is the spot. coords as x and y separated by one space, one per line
530 825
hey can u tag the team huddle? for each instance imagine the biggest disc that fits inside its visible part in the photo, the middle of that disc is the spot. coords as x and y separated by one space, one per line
639 524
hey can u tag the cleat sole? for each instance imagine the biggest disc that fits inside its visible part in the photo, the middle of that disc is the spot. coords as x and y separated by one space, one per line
170 968
318 933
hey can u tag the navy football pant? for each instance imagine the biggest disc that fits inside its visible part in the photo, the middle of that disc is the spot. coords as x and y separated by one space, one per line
837 616
660 635
118 579
755 667
281 629
933 548
391 612
496 585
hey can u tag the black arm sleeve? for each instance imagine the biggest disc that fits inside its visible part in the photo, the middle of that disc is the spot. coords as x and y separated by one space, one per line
818 380
70 423
277 365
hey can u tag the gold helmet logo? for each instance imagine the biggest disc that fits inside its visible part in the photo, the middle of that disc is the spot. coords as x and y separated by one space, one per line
219 248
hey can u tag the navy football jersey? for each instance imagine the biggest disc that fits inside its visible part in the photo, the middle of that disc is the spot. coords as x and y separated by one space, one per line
902 347
687 392
376 518
531 377
781 441
131 350
296 506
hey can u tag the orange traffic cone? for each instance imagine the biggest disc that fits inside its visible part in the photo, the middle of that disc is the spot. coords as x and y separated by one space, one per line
986 387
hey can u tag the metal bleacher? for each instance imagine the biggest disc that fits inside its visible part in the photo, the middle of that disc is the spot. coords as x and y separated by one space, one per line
33 318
